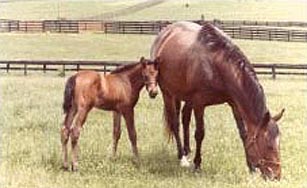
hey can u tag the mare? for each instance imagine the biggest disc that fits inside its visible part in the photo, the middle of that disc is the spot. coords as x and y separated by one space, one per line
202 66
117 92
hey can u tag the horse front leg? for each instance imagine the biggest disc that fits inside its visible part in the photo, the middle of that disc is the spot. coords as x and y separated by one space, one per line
75 134
199 134
243 135
129 118
116 131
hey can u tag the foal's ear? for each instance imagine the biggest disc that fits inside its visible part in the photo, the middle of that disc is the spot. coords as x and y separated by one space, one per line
157 62
278 116
143 61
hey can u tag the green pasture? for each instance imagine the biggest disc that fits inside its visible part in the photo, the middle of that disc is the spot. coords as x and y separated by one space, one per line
89 46
276 10
31 114
31 118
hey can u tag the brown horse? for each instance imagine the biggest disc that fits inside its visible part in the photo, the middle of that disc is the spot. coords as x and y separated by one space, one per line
117 91
201 66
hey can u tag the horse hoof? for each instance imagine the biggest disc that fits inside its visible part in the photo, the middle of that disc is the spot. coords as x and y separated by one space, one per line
74 168
197 169
184 162
65 168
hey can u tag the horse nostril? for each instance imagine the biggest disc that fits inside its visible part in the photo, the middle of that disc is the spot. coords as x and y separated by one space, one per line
153 94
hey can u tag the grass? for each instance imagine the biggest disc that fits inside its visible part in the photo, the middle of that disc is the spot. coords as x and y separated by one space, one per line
30 147
175 10
31 114
126 47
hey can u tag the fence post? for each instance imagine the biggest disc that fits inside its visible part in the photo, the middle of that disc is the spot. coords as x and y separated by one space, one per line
25 71
274 71
63 69
26 26
9 26
44 68
104 69
78 67
43 26
289 35
7 67
60 26
18 25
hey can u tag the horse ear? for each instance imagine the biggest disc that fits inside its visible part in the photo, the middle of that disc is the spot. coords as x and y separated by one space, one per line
143 61
157 62
278 116
266 118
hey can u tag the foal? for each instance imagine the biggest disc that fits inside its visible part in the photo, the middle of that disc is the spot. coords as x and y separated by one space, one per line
117 91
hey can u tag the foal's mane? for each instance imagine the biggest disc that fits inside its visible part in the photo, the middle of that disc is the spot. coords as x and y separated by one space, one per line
124 68
214 40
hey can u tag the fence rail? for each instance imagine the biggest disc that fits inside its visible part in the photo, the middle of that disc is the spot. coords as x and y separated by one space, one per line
237 32
107 66
252 30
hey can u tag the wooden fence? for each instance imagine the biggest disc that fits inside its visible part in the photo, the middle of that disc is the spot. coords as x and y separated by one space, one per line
260 23
240 29
262 33
237 32
107 66
53 26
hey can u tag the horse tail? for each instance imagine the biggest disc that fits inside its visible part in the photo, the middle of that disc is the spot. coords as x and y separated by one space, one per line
69 93
168 125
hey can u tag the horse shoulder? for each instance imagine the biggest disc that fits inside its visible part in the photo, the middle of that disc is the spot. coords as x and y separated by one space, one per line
118 88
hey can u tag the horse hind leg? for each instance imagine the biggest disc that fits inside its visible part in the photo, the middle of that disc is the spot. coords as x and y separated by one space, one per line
65 131
129 118
199 135
116 132
186 119
75 134
171 112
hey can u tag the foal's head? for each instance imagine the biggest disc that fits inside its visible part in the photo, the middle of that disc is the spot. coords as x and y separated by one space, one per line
150 75
262 147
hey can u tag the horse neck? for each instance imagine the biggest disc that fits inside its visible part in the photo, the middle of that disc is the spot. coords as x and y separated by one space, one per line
134 76
246 91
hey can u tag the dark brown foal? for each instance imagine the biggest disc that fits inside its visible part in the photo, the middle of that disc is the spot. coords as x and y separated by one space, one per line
117 92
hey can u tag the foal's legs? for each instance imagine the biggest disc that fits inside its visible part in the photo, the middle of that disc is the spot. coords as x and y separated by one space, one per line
129 118
243 134
186 118
75 134
199 134
116 131
65 131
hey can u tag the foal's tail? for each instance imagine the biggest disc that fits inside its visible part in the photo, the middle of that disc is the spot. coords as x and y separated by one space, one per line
69 93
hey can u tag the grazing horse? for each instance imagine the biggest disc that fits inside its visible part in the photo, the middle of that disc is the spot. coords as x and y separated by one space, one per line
202 66
117 91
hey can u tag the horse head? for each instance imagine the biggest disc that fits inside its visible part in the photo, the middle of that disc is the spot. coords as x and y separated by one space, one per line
263 150
150 76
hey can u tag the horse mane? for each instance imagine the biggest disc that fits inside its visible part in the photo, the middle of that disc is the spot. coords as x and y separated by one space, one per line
214 40
124 68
